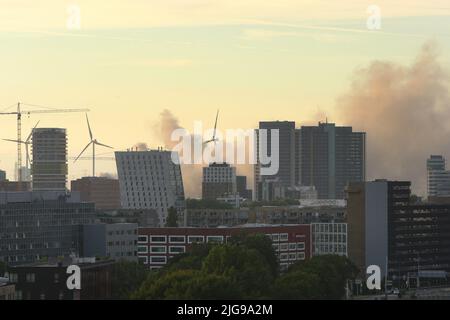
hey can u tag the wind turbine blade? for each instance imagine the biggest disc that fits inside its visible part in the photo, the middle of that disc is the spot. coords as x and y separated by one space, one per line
89 127
215 124
83 151
11 140
31 133
103 145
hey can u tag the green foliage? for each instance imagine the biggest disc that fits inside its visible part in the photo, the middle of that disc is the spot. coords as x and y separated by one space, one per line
246 268
207 204
126 278
273 203
172 218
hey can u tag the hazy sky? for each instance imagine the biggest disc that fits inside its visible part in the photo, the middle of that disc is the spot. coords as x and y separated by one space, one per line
253 59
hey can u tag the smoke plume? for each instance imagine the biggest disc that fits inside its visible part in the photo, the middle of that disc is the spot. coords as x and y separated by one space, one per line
405 111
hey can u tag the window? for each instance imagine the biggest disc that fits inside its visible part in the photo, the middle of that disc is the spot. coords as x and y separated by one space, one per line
177 239
31 277
158 239
283 247
196 239
177 249
284 237
158 249
158 260
13 277
215 239
275 237
301 256
143 239
143 260
276 247
292 256
142 249
300 246
283 257
56 277
292 246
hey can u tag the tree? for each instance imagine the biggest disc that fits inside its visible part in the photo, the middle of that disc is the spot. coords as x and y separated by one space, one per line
127 278
245 266
172 218
297 285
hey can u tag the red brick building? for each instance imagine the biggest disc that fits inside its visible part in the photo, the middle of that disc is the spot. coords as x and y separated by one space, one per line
104 192
157 245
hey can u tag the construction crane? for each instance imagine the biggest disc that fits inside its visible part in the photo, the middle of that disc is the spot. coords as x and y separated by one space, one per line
19 114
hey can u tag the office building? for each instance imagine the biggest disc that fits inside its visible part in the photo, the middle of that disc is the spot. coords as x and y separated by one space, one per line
2 175
48 280
151 180
241 188
102 191
385 228
286 158
329 238
219 179
156 246
329 157
438 178
36 225
142 217
116 241
49 166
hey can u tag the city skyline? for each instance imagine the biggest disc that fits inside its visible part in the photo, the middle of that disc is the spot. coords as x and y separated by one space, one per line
264 61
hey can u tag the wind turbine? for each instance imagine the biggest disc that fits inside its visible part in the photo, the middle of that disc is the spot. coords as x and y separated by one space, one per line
93 142
27 142
213 139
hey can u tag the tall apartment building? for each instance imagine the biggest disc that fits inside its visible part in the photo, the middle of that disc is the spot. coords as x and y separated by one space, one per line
49 166
219 179
102 191
385 228
151 180
286 171
329 157
326 157
438 178
35 225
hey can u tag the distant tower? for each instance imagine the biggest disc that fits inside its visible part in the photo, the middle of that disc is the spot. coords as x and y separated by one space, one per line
438 183
49 166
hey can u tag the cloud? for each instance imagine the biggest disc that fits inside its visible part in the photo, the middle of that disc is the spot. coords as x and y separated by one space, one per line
405 111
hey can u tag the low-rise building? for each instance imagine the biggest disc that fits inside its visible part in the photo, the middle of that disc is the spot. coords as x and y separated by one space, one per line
116 241
156 246
102 191
7 290
48 280
329 238
212 218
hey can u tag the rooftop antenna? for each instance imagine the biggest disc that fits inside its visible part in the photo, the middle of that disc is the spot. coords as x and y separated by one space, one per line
93 142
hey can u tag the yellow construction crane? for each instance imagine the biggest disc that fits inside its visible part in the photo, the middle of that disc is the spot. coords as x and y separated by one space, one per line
19 114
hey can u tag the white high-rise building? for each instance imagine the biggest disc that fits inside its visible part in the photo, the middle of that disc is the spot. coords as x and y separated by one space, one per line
150 180
438 183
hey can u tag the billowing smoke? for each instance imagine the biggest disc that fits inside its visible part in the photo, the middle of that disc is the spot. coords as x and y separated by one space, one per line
192 173
405 111
108 175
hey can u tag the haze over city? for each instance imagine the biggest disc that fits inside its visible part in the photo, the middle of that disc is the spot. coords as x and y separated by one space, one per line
138 65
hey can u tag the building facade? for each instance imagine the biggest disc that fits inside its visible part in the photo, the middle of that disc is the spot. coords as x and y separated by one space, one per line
385 228
151 180
329 157
116 241
47 280
329 238
438 178
36 225
219 179
212 218
156 246
102 191
49 166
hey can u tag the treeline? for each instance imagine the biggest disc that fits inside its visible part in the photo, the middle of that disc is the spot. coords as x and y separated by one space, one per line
244 268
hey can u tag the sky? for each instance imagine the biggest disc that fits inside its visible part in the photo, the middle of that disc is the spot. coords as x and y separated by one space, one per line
253 59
